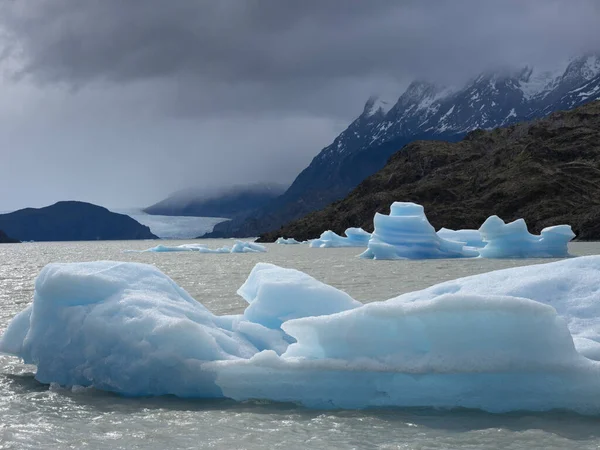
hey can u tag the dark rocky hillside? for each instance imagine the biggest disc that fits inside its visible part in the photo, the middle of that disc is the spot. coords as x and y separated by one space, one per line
547 172
423 111
4 239
72 221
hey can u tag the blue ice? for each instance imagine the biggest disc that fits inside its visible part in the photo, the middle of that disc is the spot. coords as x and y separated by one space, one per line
237 247
407 234
525 338
469 238
355 237
512 240
287 241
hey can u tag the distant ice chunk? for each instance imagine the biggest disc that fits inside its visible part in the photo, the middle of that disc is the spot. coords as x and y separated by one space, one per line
238 247
407 234
288 241
247 247
470 238
512 240
355 237
179 248
276 295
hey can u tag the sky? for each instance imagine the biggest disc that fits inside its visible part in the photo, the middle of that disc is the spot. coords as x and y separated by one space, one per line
120 103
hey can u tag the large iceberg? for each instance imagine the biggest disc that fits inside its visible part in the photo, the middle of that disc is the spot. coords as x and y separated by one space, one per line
128 328
355 237
525 338
237 247
407 234
512 240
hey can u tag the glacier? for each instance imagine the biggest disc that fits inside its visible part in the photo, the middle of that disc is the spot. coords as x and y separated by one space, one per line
355 237
237 247
407 234
173 227
525 338
512 240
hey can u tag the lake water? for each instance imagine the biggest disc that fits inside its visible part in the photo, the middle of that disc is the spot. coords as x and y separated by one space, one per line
37 416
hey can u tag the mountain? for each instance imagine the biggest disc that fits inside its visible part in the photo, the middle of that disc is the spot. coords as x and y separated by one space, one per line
546 171
5 239
425 111
72 221
237 201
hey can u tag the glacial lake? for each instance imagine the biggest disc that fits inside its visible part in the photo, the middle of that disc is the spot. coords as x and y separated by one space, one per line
36 416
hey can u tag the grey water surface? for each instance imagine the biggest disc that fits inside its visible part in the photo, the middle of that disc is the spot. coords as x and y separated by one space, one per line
36 416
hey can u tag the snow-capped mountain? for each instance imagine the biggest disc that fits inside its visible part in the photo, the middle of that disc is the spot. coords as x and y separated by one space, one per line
425 111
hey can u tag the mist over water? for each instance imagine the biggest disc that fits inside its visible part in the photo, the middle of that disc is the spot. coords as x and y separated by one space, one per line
39 416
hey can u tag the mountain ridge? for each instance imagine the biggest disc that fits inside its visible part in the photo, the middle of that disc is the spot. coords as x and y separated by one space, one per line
546 171
424 111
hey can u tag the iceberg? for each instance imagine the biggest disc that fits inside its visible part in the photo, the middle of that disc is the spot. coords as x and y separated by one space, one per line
288 241
512 240
355 237
407 234
525 338
469 238
268 284
238 247
247 247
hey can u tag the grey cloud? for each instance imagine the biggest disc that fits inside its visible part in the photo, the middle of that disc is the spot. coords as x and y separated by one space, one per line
298 47
123 101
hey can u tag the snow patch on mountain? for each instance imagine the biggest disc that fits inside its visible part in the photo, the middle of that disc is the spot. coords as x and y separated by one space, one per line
375 105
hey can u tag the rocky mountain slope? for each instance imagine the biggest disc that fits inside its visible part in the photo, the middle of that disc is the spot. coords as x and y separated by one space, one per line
5 239
423 112
546 171
72 221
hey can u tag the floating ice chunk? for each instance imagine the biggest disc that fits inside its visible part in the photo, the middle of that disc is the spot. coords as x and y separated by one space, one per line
489 352
355 237
518 339
288 241
238 247
470 238
179 248
224 249
407 234
276 295
120 327
247 247
571 287
512 240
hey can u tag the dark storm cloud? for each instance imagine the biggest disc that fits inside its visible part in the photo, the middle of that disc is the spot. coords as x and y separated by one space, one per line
120 102
273 53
